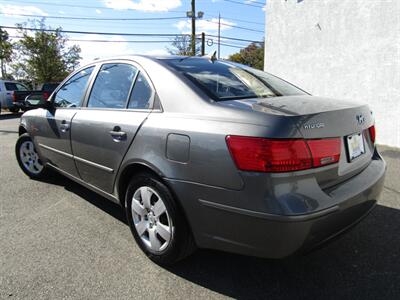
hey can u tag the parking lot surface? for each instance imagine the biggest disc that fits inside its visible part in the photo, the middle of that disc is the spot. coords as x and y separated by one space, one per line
59 240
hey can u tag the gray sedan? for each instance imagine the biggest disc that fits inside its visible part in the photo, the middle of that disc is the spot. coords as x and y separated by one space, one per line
207 153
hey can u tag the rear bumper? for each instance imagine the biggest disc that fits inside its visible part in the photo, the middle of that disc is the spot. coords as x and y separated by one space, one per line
220 225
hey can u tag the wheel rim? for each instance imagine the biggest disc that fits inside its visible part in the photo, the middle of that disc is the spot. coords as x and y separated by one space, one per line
151 219
29 158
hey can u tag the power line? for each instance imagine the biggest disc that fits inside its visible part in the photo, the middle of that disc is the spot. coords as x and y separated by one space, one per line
95 19
106 41
93 32
79 6
235 19
235 39
243 3
234 26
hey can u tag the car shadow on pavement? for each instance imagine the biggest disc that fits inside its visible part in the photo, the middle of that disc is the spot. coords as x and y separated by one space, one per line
363 263
93 198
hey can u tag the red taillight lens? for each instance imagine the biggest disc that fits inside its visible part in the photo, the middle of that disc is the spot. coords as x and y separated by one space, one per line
372 133
14 97
273 155
45 95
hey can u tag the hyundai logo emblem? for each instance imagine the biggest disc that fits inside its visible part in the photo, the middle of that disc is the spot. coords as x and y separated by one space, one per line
360 119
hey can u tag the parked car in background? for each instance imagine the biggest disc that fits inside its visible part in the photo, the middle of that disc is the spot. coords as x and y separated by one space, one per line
208 153
36 98
12 95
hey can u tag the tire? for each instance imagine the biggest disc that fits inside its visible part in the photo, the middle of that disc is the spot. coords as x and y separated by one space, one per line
148 224
14 110
28 159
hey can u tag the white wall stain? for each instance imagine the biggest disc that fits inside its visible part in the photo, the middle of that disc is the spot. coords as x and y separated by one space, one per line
346 49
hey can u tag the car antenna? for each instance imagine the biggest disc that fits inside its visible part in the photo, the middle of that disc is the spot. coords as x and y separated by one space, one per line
211 56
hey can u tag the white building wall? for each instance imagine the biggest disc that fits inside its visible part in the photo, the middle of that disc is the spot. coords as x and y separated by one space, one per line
347 49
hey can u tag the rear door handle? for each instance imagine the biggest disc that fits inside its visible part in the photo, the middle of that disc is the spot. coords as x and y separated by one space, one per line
117 134
64 127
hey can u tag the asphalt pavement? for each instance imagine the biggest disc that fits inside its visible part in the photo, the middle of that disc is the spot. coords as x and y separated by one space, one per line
59 240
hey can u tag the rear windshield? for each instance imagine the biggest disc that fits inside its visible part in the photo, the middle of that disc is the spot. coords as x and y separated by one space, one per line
223 80
14 86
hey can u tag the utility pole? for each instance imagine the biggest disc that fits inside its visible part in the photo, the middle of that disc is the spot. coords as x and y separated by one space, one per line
192 14
193 27
219 35
203 44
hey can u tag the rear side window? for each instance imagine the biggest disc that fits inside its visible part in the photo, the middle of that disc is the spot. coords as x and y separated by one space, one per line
14 86
112 86
72 92
141 94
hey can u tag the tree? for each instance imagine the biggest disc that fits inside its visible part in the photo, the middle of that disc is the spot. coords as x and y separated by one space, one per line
182 45
252 55
45 56
6 51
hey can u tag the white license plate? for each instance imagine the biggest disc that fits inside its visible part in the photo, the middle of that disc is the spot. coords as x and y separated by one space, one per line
355 145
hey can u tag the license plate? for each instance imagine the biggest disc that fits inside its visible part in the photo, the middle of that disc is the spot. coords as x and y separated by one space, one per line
355 145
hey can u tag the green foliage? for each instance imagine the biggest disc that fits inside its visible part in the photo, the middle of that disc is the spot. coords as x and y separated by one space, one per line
6 51
252 55
44 56
182 45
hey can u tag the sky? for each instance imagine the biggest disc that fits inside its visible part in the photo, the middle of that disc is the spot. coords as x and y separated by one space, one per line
240 19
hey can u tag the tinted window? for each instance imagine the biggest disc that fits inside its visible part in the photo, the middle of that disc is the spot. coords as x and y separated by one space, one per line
141 94
49 87
223 80
72 92
112 86
13 86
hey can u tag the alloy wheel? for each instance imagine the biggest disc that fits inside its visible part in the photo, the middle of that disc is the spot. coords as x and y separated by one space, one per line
29 158
151 219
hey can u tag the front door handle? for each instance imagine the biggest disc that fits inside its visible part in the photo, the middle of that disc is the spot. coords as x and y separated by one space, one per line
117 134
64 126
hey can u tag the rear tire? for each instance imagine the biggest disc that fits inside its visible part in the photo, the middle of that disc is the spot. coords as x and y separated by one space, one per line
156 221
28 159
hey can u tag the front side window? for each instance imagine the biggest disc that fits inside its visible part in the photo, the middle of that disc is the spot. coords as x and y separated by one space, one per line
141 94
72 92
112 86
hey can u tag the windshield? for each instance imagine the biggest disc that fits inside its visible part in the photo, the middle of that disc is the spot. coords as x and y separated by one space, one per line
223 80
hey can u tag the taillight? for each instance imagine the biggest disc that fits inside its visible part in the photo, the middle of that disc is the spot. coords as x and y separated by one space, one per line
45 95
282 155
325 151
14 97
372 133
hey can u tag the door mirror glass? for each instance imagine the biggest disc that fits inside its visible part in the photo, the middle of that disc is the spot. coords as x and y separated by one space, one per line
71 93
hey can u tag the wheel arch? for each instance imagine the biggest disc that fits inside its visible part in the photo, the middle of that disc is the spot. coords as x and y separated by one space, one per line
133 168
21 130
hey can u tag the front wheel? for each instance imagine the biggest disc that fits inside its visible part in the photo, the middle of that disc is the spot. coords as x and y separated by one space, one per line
27 157
156 221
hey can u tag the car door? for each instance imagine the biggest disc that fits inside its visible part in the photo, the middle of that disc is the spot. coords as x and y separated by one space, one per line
103 130
52 130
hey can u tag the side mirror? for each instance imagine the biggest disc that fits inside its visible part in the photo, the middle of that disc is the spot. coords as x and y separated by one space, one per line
38 101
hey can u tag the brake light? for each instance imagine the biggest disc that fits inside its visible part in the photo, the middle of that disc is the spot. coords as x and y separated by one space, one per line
372 133
275 155
14 96
45 95
325 151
